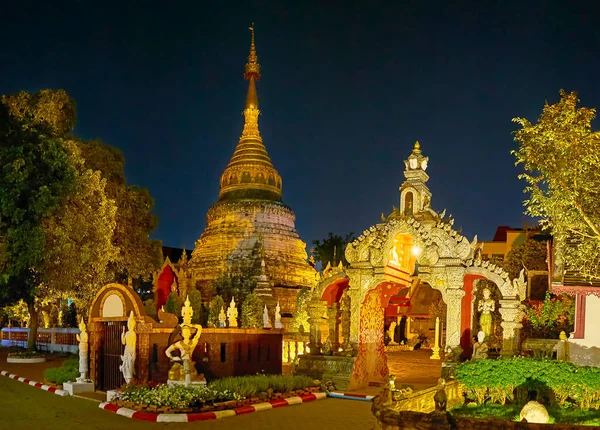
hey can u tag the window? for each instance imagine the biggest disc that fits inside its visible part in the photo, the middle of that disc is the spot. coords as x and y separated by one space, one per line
223 352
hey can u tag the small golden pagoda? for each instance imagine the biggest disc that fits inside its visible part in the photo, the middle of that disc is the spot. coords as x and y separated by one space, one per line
250 222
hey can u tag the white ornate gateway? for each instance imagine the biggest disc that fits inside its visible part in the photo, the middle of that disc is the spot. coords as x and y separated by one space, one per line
414 244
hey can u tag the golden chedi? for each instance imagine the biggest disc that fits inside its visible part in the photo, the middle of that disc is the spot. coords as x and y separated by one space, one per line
250 222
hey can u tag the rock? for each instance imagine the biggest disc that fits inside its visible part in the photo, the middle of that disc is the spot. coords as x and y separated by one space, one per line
534 412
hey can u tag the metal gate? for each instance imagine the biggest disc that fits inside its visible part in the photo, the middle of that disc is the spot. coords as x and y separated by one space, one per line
112 349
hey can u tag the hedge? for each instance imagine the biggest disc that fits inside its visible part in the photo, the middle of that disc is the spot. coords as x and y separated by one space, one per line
510 380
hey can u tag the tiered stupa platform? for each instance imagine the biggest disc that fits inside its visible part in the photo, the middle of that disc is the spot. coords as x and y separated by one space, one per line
250 222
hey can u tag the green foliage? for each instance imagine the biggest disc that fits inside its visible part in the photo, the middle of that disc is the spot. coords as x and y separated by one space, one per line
17 313
324 250
250 386
530 255
214 309
150 308
300 318
174 304
138 255
549 318
558 415
504 380
69 371
239 287
561 158
195 297
252 312
36 174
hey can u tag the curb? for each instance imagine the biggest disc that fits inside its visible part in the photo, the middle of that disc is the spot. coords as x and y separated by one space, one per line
204 416
349 396
34 383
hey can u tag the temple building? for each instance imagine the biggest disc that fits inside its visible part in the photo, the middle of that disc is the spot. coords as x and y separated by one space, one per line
250 232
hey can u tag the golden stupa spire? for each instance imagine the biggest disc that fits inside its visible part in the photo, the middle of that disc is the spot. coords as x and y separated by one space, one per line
250 173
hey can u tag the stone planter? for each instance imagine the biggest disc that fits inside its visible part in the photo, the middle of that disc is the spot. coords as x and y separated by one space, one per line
29 360
539 347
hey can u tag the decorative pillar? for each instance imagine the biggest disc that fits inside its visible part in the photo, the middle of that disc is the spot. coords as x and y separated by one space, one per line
333 326
511 323
453 302
355 300
436 344
314 320
345 306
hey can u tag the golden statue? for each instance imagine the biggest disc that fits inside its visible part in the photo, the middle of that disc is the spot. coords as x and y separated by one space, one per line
486 307
186 370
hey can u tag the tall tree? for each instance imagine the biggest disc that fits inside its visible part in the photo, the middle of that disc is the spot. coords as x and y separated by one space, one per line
530 255
325 249
137 255
36 173
561 157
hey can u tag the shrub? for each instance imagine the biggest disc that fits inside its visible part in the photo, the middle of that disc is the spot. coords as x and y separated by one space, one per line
173 305
69 371
548 318
510 379
252 312
150 308
196 303
214 309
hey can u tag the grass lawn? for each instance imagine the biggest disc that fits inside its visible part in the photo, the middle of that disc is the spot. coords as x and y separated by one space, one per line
24 407
510 412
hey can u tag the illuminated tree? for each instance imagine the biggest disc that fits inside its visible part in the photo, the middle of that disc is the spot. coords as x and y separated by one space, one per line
561 157
252 312
137 255
216 304
36 173
530 255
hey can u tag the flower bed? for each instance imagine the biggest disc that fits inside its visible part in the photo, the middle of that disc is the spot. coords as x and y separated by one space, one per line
227 393
25 357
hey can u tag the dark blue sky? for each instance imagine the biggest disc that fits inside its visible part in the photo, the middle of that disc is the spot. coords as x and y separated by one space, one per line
345 92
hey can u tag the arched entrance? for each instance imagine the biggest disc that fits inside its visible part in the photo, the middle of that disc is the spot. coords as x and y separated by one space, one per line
107 318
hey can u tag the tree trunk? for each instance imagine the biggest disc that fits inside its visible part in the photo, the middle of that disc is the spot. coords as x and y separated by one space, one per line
33 326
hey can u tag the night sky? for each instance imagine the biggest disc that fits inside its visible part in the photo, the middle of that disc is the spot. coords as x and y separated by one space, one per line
345 91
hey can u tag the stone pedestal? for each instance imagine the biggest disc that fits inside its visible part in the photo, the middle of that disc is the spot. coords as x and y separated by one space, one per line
111 394
327 368
78 387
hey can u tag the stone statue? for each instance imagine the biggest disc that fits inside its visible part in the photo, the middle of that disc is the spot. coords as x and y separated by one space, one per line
266 322
186 348
480 348
82 338
520 285
534 412
129 339
486 307
222 318
440 397
391 333
232 313
278 323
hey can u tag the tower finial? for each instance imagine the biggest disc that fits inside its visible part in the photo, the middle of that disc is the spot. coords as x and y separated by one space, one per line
252 74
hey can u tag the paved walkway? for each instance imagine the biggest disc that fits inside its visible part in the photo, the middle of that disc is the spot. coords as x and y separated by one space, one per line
23 407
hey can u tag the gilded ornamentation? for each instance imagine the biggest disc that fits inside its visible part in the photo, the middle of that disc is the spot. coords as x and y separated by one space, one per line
185 372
